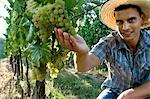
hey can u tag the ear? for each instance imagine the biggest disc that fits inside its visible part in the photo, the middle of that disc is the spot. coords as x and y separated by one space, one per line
142 18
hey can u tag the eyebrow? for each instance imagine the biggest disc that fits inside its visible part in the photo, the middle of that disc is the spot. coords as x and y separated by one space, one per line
131 18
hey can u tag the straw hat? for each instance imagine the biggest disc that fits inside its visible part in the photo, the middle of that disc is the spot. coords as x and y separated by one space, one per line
107 11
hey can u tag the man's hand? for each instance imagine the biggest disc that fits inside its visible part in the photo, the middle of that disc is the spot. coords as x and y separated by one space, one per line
140 92
84 61
73 43
126 94
130 94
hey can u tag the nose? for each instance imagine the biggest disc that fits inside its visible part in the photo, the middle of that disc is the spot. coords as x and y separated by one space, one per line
125 26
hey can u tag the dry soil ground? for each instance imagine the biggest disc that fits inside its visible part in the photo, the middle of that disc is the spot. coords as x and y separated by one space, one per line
6 80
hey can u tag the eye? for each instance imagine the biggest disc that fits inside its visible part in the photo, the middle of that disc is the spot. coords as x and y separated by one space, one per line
132 20
119 22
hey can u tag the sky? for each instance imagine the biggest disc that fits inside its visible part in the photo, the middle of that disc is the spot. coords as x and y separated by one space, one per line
3 13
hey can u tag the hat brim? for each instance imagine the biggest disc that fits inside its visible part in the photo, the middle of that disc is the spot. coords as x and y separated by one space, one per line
107 11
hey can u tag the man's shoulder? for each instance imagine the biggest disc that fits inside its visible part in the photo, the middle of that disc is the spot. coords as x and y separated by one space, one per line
110 37
108 40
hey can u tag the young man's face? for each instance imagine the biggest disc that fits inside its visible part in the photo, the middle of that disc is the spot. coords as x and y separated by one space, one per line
129 23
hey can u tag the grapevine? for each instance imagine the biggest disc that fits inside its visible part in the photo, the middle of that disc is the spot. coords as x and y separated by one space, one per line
46 18
31 26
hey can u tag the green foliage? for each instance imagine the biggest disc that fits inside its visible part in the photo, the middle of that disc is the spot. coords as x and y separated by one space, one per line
70 3
39 53
18 6
11 3
93 29
45 1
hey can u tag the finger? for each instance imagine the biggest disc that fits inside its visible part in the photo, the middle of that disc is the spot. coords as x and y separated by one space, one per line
60 36
67 40
73 41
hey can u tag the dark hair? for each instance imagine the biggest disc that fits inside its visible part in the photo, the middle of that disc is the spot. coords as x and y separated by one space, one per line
126 6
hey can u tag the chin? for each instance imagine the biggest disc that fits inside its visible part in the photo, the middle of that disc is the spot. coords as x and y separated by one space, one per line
128 38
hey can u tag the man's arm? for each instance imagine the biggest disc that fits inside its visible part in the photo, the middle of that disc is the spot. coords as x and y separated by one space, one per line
143 90
140 92
86 61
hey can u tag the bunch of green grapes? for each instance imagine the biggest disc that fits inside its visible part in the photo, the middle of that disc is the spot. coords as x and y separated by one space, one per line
46 18
52 15
57 61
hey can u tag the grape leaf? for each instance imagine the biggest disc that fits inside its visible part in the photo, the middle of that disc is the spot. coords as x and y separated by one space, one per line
18 6
70 3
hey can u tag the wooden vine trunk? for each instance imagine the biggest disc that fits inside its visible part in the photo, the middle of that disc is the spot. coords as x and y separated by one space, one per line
39 90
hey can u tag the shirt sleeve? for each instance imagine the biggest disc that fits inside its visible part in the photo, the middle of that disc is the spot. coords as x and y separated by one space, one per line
146 71
148 77
100 49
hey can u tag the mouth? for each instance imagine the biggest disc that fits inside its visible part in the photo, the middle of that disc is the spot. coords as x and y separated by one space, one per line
127 34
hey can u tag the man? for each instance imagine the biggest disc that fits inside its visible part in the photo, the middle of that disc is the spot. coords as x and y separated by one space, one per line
126 51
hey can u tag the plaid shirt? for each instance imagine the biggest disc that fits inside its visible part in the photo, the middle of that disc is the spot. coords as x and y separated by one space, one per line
125 69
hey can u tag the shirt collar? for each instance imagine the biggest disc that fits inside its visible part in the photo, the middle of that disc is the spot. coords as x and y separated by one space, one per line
121 44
